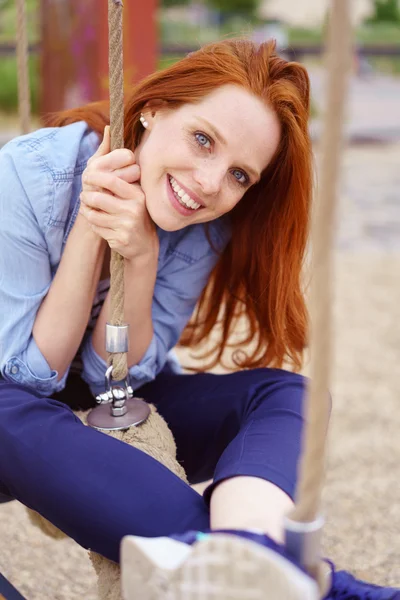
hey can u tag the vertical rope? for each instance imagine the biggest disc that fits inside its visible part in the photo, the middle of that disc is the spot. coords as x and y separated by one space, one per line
24 100
311 471
117 287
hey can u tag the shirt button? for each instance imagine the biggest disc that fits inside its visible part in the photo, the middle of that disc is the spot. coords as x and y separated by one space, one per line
14 370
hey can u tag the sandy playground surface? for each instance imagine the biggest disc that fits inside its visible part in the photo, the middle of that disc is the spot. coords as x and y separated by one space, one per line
362 494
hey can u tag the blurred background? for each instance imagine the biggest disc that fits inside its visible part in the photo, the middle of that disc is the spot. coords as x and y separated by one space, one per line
68 43
68 67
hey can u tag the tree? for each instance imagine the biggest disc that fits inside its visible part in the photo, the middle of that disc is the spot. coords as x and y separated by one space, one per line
385 11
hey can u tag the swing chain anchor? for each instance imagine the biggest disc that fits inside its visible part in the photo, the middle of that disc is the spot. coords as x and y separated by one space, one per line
117 342
117 408
115 394
303 542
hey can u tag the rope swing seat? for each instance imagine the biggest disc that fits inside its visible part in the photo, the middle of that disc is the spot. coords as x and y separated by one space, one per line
133 421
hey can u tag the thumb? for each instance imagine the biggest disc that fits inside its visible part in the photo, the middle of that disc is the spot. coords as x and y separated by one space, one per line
104 147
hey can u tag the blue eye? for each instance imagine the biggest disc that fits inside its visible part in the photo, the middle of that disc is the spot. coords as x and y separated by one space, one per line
240 176
202 139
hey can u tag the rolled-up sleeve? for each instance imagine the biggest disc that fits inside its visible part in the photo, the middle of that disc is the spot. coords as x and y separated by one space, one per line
25 278
179 284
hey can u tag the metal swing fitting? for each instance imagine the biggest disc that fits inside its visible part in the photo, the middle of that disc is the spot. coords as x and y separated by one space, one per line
303 541
117 338
117 341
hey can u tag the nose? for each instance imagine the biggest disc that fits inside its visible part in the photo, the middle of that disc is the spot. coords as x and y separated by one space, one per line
210 178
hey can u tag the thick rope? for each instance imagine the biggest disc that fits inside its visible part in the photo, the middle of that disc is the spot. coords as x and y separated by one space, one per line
24 99
311 470
117 287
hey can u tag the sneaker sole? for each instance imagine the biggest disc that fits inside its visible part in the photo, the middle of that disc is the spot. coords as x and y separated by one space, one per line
220 567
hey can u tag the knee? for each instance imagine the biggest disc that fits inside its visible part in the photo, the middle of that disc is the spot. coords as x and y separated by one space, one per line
277 386
272 381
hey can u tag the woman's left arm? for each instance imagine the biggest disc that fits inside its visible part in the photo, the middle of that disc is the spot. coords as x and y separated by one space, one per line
140 278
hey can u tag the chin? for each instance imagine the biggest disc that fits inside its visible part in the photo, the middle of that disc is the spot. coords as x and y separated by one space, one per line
164 220
167 226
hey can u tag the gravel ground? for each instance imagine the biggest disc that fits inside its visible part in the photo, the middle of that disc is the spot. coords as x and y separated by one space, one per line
361 497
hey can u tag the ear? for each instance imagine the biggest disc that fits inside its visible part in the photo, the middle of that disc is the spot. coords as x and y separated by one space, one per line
151 109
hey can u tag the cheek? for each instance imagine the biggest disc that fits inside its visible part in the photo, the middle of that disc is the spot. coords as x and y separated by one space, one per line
149 169
232 199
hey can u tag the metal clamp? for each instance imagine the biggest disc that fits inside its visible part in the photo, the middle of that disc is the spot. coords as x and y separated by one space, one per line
115 394
117 338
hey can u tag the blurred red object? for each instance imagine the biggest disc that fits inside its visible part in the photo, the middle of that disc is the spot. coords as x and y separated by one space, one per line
74 49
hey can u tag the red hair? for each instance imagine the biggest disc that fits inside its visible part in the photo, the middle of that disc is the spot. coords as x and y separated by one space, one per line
258 275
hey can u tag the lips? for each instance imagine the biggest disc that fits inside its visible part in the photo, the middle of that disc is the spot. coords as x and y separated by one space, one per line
191 194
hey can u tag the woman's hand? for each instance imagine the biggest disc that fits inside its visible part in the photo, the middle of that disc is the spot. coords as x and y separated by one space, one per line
114 205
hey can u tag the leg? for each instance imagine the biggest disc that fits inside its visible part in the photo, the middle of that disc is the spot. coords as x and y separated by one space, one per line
244 429
93 487
250 503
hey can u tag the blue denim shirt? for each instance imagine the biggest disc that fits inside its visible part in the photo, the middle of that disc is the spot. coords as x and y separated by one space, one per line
39 201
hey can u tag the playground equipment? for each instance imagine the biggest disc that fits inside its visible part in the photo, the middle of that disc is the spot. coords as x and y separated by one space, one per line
118 410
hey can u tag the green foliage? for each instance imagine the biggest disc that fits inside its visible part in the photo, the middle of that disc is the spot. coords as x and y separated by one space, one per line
248 7
8 20
170 3
375 34
9 84
302 36
385 11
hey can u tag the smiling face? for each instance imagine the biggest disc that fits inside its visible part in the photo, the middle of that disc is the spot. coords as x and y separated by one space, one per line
197 161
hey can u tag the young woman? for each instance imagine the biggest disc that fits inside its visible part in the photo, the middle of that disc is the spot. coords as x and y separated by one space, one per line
209 204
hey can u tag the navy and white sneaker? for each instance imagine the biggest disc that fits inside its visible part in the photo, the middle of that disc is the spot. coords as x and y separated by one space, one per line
227 565
216 566
346 587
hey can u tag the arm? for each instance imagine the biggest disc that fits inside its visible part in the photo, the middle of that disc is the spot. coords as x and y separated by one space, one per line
140 277
38 324
63 316
180 280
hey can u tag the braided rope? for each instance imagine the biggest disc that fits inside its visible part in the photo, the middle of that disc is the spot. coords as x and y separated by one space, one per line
117 286
24 100
311 471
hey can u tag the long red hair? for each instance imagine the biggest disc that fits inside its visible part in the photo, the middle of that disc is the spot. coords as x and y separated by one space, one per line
259 274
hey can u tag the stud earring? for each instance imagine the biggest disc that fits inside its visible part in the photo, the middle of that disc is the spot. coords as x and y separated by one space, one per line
143 121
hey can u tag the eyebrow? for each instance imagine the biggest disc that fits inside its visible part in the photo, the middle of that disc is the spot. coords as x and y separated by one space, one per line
223 141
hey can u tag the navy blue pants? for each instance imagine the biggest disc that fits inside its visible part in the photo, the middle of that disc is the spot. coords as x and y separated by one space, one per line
97 489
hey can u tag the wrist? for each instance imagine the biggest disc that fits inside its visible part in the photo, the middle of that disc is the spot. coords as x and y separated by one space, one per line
143 262
82 226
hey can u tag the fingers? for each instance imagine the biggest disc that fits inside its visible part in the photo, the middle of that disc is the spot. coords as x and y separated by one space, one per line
130 174
117 228
120 164
112 183
102 201
106 160
102 150
101 219
107 234
105 145
99 201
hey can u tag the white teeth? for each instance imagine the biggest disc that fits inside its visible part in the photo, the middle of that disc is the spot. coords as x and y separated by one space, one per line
182 196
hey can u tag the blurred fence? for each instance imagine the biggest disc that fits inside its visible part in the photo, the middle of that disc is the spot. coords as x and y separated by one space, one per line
294 52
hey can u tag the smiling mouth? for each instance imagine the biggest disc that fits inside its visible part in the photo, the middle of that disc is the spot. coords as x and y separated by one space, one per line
182 197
